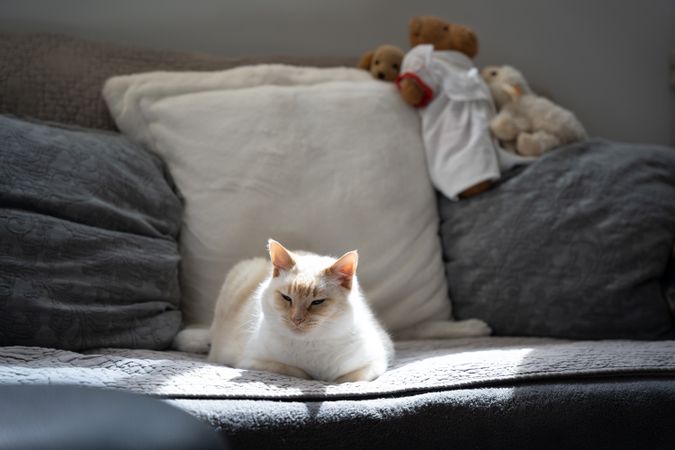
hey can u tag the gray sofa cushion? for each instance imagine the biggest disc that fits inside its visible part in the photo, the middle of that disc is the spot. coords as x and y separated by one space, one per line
669 281
59 78
88 240
615 414
574 246
419 366
436 394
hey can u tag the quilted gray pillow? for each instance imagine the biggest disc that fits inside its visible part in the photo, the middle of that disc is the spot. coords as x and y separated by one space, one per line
575 246
88 240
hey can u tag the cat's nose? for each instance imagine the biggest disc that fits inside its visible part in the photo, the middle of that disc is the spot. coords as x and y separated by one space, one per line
297 320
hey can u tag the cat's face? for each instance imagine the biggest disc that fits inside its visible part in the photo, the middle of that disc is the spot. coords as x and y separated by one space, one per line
308 293
306 303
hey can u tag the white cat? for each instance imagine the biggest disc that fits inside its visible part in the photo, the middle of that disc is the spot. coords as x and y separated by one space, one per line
299 314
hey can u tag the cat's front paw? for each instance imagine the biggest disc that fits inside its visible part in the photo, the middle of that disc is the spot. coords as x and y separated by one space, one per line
351 378
276 367
366 373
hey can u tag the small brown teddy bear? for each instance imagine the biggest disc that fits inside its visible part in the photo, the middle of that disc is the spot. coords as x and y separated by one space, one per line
438 76
527 123
384 63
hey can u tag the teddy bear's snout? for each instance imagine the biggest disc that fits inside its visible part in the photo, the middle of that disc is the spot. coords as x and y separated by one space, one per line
381 75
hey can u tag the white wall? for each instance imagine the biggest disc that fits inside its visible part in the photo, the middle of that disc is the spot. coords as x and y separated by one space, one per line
607 60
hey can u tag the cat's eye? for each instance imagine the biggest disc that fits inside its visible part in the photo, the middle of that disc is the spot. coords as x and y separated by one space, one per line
286 297
318 302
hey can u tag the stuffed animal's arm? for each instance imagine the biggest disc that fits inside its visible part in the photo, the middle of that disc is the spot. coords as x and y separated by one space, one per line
506 126
410 91
414 90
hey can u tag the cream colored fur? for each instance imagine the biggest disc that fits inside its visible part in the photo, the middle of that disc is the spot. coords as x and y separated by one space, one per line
254 327
527 123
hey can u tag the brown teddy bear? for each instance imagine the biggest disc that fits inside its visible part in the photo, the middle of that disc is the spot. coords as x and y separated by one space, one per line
438 76
443 36
384 63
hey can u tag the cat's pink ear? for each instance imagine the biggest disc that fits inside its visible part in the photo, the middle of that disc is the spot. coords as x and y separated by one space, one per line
280 257
345 268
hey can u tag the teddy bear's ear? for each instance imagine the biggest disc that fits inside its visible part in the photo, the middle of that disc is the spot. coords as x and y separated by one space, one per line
464 40
514 90
366 60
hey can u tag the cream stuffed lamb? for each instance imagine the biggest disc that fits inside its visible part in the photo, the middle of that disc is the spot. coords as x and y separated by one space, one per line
527 123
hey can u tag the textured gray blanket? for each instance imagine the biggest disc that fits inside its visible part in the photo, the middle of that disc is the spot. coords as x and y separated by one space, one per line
421 366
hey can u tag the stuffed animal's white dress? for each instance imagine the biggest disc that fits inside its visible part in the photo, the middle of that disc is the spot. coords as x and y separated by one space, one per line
455 114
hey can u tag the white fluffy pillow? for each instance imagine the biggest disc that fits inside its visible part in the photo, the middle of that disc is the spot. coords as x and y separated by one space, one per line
326 160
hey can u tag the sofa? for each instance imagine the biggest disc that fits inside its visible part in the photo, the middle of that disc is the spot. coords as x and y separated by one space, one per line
569 259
